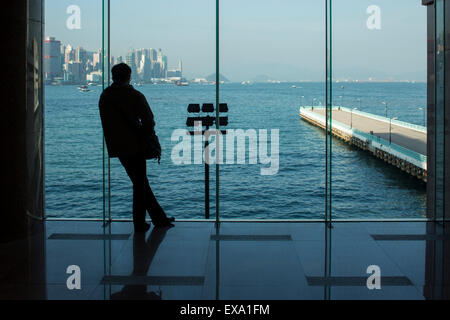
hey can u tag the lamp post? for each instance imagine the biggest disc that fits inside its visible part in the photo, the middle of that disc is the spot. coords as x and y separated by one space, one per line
198 122
423 115
359 100
390 129
385 108
342 100
351 117
314 99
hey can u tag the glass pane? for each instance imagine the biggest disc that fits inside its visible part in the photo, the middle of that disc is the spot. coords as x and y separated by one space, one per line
73 131
328 111
440 111
272 63
103 56
379 109
170 47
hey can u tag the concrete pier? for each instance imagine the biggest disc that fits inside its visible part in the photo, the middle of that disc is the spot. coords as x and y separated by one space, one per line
398 143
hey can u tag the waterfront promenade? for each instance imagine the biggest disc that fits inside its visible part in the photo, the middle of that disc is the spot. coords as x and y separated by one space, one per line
396 142
407 137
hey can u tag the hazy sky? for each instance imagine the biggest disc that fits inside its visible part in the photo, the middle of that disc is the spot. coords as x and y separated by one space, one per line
283 39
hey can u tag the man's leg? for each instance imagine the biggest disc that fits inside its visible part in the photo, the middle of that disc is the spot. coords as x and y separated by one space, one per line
154 209
136 170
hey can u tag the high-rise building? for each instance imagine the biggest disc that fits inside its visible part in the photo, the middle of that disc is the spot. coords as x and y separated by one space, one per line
159 66
145 66
97 60
131 61
153 55
164 67
52 59
81 58
176 74
69 54
159 56
80 55
73 72
62 56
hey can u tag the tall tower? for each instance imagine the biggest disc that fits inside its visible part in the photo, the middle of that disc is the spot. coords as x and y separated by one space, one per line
164 67
153 55
159 56
97 59
69 54
131 61
52 59
80 55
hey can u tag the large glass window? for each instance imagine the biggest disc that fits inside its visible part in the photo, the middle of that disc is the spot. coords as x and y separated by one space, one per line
73 134
170 47
272 57
273 160
379 109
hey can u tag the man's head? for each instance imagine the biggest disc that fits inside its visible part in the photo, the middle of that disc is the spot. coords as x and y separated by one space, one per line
121 73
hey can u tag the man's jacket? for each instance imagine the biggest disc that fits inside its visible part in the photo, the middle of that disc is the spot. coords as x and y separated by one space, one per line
125 114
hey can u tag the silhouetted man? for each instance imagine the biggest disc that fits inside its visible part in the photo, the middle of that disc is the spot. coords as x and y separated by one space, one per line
125 115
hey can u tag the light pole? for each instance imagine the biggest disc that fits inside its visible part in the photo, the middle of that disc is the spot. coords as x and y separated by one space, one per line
351 117
390 129
385 108
359 100
423 115
313 103
342 103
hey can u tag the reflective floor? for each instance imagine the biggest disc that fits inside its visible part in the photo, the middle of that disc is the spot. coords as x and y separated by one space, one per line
239 260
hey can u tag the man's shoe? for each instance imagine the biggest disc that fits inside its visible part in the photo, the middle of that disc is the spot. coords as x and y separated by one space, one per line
166 222
142 228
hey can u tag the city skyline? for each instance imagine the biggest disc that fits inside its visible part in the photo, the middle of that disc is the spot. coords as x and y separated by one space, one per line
67 64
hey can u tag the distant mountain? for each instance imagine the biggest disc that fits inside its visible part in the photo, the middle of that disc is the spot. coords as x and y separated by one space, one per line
212 77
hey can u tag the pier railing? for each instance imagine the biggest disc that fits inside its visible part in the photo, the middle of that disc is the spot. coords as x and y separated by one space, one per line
384 119
400 152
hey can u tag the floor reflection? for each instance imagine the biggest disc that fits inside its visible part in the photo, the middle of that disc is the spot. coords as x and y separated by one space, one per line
437 264
237 260
143 254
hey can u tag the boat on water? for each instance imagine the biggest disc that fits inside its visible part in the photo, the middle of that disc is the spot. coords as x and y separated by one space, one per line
84 88
181 83
294 87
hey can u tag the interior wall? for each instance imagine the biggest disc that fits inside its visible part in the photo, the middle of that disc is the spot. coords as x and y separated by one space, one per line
22 121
